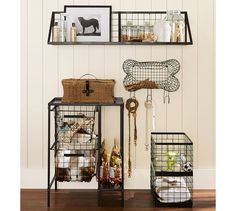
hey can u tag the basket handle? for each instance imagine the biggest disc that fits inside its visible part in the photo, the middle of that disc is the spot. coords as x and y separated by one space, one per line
88 74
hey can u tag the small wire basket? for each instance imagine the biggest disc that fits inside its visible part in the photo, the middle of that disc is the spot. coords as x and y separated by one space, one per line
171 169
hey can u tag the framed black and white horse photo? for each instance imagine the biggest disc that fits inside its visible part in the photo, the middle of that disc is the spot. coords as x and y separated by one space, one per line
93 23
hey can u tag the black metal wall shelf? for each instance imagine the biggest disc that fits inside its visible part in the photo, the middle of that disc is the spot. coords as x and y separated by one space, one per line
120 18
118 43
56 104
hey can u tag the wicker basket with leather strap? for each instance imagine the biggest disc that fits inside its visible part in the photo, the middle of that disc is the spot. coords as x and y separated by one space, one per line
88 90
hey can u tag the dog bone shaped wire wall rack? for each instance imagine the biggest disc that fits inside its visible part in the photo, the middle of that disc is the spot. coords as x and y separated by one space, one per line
151 75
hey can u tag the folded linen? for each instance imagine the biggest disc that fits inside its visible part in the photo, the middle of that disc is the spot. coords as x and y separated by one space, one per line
172 189
173 195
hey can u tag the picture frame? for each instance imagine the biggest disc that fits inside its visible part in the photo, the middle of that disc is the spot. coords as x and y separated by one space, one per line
93 22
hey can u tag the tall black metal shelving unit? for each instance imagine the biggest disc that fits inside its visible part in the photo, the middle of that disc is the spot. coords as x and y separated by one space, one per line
52 109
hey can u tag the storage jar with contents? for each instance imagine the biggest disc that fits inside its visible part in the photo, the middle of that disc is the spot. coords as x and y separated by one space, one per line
129 33
134 37
147 33
177 25
126 32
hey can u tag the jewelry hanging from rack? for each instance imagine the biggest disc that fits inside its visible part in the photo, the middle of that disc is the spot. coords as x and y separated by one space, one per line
132 106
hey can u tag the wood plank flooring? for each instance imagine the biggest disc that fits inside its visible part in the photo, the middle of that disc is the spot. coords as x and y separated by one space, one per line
86 200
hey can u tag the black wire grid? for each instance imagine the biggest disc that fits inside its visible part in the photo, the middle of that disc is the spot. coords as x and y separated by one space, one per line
151 75
171 169
143 18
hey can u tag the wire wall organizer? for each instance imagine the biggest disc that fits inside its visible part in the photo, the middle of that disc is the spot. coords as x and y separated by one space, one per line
151 75
77 143
140 19
171 169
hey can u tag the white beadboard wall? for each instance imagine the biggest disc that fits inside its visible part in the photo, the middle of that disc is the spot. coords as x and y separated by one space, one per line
192 107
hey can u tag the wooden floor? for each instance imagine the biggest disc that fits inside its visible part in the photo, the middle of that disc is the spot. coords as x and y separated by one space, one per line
86 200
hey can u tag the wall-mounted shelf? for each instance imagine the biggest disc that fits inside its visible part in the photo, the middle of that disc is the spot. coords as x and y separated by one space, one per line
121 18
118 43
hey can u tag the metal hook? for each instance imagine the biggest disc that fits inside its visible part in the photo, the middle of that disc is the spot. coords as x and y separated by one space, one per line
149 95
166 95
133 97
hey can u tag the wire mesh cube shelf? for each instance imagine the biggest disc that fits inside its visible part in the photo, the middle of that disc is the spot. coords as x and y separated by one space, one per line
171 169
141 22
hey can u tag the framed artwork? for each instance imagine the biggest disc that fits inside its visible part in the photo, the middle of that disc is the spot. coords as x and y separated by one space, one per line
93 23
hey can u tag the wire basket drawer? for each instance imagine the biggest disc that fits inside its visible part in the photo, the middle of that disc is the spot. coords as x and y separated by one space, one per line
75 165
76 143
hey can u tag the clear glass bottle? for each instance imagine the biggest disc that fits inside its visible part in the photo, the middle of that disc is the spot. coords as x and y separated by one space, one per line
73 33
62 26
169 15
169 18
177 25
55 32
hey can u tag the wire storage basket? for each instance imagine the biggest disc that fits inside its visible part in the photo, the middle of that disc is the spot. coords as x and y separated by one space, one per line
76 145
171 169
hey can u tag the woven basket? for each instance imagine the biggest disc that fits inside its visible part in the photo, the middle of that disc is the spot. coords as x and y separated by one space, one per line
88 90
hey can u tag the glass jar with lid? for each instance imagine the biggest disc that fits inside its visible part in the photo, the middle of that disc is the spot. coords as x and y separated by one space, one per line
148 31
141 32
126 32
177 25
135 34
124 37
